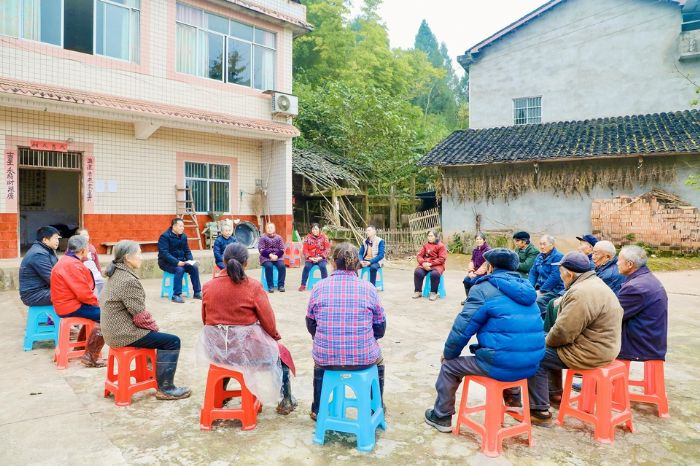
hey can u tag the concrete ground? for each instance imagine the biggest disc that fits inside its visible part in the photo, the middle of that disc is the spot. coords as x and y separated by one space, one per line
60 417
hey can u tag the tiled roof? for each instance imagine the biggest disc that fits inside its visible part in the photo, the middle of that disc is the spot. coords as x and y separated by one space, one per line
143 108
658 133
255 8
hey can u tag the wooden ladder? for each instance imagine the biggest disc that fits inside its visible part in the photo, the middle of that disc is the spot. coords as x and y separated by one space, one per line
186 211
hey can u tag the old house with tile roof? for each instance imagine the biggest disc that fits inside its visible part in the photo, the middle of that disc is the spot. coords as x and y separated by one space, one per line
578 100
106 106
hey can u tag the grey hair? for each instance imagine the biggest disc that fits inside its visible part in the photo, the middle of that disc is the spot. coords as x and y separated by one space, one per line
635 254
226 226
549 238
123 248
605 246
77 243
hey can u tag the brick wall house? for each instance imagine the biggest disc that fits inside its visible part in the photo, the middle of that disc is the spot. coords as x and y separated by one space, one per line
106 107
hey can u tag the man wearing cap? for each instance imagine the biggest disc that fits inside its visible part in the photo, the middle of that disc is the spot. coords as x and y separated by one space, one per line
544 274
502 313
36 266
585 335
605 260
586 244
527 252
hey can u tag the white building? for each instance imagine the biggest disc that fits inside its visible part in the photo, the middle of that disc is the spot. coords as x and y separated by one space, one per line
107 105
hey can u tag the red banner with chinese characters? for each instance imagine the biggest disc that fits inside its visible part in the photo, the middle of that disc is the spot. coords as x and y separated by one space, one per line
11 180
49 145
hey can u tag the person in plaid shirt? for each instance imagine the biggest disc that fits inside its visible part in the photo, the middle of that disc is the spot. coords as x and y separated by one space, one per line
345 320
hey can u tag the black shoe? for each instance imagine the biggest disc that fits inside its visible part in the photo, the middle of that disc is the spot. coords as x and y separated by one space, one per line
540 418
197 296
177 299
442 424
512 401
271 290
166 365
280 289
576 387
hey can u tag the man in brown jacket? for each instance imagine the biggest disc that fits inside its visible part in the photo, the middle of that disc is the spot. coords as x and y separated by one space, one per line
586 334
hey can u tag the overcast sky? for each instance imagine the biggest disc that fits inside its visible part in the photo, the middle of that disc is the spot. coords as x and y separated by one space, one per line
458 23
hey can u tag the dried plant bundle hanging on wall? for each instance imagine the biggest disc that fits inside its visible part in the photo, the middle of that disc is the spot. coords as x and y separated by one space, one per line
508 181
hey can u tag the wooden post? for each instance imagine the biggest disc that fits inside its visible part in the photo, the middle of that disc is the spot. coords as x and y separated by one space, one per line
336 207
392 208
367 220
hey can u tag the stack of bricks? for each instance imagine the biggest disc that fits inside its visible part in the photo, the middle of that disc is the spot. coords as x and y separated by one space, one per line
657 219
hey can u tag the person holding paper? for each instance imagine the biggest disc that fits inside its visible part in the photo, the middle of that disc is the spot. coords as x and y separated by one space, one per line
175 257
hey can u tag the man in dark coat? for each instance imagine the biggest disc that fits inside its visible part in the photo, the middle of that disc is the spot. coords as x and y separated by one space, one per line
502 313
527 252
36 266
175 257
544 274
644 300
605 260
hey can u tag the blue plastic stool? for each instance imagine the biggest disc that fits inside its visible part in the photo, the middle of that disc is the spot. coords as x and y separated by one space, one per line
263 280
379 282
313 278
332 414
441 286
38 328
166 287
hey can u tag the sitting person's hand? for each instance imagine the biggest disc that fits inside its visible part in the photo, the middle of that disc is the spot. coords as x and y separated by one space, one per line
426 265
180 264
558 301
471 274
273 257
364 263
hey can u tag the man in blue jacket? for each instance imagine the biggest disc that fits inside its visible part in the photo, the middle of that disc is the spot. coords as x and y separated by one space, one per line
604 257
645 303
544 275
502 313
175 257
224 239
372 253
36 266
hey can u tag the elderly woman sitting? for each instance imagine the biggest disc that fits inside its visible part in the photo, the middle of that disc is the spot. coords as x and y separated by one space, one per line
126 322
222 241
240 332
477 265
431 262
345 320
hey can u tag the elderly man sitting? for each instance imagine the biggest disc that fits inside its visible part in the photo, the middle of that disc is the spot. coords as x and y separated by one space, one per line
644 300
585 335
501 311
605 260
544 274
72 295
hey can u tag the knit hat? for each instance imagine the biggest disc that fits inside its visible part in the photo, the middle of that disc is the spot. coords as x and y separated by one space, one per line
590 239
523 235
576 262
502 258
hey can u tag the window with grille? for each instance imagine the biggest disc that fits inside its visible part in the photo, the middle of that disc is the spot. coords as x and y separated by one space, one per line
211 185
527 110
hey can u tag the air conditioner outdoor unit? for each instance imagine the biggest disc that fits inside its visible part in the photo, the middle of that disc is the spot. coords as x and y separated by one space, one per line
284 104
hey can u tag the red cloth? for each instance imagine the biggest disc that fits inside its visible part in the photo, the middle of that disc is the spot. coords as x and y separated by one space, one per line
228 303
316 246
433 253
71 285
95 258
145 320
286 358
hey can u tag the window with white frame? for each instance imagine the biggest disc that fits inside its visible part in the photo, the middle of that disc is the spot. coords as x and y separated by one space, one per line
211 186
527 110
99 27
215 47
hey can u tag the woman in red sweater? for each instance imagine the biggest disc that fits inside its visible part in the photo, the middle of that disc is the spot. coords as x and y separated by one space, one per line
431 261
240 331
316 249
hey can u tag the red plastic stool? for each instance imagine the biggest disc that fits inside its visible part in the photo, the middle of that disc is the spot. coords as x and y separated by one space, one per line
491 431
603 402
216 394
653 386
292 255
119 384
65 350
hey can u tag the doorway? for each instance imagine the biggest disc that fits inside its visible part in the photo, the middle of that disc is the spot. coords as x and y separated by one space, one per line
49 193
